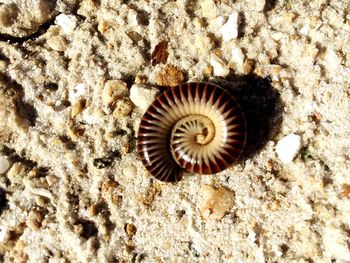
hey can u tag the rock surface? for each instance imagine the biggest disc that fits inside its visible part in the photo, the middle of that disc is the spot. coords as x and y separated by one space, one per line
76 189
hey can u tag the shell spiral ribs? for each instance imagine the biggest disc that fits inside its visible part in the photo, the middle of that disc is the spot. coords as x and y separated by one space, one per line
196 126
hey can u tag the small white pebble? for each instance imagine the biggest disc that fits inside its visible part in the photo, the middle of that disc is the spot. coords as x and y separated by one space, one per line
67 22
141 96
130 171
230 29
4 164
288 147
220 69
238 58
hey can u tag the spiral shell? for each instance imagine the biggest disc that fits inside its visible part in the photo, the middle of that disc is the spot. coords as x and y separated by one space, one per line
198 127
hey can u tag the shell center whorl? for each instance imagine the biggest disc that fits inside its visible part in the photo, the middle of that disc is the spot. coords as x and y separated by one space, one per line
194 128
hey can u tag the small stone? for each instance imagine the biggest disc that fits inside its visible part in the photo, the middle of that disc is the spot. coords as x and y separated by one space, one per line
57 43
214 203
170 76
122 108
34 220
130 229
220 69
130 171
67 22
288 147
209 9
88 8
114 90
141 96
230 29
16 173
78 107
4 164
238 58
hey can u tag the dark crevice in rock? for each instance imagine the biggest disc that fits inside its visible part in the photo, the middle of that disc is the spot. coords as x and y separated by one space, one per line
3 201
269 5
20 40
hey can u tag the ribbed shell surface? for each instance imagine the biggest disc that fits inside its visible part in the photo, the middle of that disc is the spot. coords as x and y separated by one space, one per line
198 127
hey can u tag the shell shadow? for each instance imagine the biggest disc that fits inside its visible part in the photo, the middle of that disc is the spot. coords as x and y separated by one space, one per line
262 106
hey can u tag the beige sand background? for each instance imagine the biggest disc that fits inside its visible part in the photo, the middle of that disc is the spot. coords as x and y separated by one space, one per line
75 79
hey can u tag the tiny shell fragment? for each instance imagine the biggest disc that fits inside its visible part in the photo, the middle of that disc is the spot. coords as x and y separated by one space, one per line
288 147
215 202
66 22
122 108
230 29
113 90
130 171
238 59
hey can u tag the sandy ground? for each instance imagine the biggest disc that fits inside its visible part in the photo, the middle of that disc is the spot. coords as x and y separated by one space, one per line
75 79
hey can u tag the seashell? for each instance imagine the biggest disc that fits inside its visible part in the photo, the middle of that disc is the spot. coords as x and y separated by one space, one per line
198 127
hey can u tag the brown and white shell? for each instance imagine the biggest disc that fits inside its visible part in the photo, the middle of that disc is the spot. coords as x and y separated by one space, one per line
198 127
